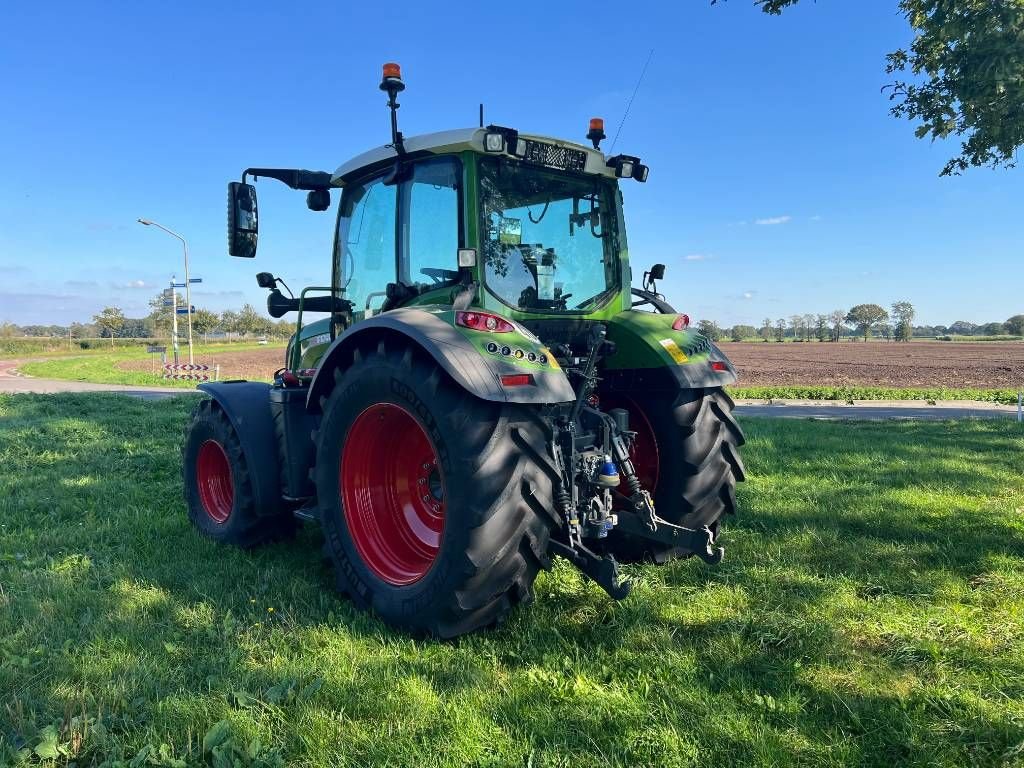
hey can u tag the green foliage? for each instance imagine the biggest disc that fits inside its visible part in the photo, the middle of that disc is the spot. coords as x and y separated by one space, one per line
204 321
710 329
110 321
864 317
741 332
869 612
1015 325
846 394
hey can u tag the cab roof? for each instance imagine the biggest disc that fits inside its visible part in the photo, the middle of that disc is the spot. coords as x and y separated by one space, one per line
458 140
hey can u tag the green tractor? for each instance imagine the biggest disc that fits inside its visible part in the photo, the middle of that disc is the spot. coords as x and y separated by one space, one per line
483 390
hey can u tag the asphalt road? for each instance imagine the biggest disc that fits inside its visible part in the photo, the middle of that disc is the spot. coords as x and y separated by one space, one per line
12 383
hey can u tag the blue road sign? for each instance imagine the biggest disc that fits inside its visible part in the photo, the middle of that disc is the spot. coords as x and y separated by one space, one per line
178 285
195 279
184 310
169 303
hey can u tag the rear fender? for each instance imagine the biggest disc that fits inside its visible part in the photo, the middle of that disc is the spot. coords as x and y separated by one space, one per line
652 355
247 406
459 353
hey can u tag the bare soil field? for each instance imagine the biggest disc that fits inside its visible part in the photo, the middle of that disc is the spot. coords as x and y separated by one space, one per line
986 365
255 364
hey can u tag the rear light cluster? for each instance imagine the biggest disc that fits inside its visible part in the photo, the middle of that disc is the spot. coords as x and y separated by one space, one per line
482 321
517 380
719 366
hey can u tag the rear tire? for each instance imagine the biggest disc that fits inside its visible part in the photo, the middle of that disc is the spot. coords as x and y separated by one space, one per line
698 463
462 558
218 486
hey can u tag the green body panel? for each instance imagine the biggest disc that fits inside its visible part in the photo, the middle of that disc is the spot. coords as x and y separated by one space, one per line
314 339
646 340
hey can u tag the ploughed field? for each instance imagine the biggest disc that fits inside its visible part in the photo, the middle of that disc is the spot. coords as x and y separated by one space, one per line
983 365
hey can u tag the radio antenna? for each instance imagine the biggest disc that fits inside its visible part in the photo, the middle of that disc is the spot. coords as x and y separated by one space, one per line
630 103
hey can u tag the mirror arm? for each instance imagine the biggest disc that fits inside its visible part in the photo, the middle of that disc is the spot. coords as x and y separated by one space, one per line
661 305
293 177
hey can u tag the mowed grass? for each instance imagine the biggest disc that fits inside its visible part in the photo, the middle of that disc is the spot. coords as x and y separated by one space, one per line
101 366
870 611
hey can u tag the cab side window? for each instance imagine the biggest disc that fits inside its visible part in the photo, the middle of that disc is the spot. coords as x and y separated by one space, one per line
366 240
430 223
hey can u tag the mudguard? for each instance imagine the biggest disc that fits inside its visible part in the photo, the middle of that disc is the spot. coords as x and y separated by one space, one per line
462 354
652 355
247 406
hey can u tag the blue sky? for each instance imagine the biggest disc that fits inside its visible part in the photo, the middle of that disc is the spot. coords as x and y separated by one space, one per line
779 183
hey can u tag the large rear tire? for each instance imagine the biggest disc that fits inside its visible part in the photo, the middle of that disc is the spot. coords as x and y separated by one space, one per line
218 484
434 503
688 449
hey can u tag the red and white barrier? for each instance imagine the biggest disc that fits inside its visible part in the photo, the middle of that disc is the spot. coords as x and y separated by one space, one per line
171 371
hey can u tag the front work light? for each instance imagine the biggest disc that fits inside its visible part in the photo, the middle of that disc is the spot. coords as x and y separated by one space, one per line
628 167
467 257
494 142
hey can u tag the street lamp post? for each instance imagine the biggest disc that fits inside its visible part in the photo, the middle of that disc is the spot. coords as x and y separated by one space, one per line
188 283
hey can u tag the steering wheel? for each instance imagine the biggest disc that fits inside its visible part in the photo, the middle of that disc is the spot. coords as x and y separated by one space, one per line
440 275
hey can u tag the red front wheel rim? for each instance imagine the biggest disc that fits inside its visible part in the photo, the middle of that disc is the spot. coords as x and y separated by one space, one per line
214 481
392 493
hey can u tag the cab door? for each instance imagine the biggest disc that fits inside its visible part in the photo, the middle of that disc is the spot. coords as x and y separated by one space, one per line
365 246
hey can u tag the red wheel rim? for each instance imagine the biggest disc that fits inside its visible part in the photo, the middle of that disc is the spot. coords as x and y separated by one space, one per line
644 451
392 493
213 478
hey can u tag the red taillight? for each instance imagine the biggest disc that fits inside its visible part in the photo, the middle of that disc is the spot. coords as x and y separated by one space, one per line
681 323
517 380
719 366
482 321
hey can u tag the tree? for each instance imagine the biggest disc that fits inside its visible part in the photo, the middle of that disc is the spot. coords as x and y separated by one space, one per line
229 321
796 322
710 329
963 328
967 66
248 319
766 329
903 319
780 329
821 326
864 317
993 329
838 318
1015 325
204 321
741 332
110 321
160 316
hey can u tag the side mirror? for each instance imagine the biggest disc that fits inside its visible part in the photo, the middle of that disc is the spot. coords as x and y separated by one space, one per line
279 305
658 272
318 200
265 280
243 225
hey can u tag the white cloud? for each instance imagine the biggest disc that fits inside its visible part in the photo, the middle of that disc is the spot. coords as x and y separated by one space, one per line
772 220
698 257
748 294
133 285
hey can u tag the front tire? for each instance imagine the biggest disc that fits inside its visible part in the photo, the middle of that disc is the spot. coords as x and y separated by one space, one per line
218 485
433 502
687 448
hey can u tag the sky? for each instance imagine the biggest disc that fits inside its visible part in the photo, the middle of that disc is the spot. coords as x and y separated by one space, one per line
779 183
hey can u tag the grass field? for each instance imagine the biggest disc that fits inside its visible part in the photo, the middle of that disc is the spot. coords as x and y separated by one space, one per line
135 366
870 611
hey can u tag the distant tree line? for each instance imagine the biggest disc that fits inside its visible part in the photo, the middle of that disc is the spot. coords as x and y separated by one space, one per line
859 322
112 323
